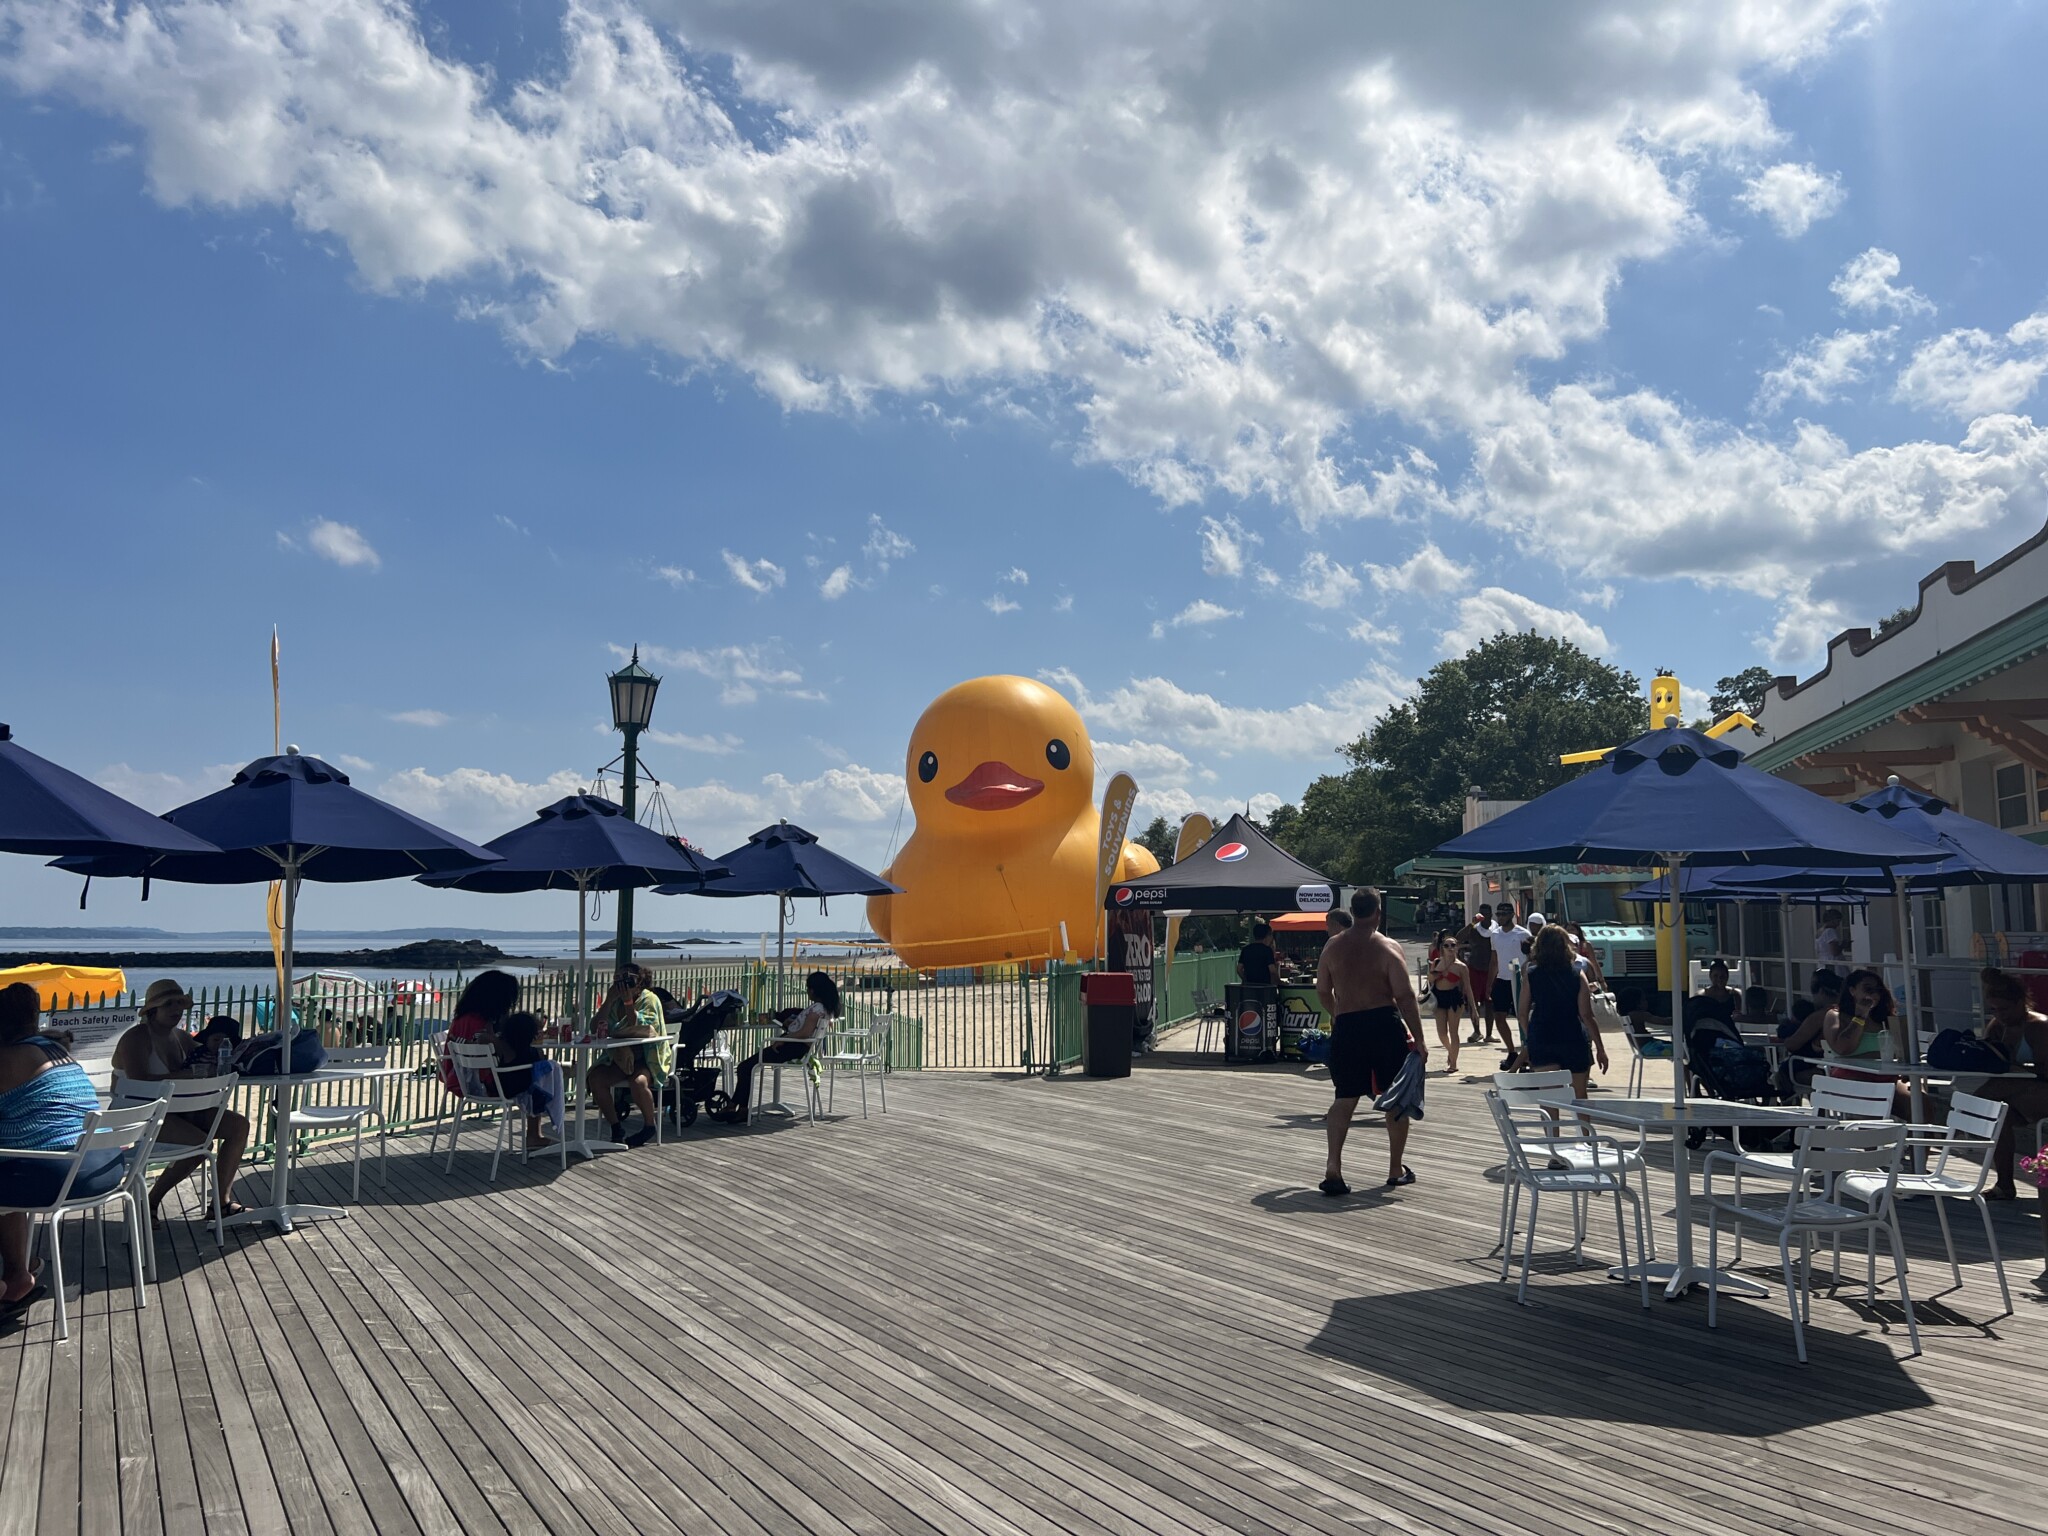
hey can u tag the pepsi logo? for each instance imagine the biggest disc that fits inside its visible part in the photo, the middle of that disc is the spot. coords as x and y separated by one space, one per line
1230 853
1125 895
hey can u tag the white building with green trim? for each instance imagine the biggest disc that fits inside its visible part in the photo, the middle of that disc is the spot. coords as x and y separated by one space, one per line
1952 699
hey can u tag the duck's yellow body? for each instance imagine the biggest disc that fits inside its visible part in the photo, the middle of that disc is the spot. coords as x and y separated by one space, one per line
1002 785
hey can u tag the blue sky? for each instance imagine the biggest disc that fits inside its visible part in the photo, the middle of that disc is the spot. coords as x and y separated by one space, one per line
1228 381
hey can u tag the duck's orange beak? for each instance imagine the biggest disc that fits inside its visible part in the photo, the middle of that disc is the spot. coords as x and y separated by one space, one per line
994 787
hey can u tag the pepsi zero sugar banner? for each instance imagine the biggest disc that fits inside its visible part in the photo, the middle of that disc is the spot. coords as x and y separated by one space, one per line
1130 948
1239 869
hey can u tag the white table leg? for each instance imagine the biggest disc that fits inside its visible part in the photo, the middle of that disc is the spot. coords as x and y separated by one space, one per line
1679 1277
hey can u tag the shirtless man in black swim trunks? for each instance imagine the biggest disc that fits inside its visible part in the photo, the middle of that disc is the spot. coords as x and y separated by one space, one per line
1363 981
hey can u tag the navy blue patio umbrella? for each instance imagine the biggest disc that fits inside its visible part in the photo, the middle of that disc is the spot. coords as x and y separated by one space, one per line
49 810
785 861
294 818
1671 798
1965 852
584 843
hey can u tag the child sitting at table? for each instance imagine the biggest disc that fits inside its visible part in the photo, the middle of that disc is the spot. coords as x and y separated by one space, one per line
528 1076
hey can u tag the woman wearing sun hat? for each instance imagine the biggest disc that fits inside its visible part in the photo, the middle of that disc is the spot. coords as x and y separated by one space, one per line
157 1048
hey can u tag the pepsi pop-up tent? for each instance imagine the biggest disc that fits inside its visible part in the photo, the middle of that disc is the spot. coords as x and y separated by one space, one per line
1239 869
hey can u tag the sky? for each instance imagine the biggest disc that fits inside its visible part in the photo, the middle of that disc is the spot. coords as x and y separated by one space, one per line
1225 369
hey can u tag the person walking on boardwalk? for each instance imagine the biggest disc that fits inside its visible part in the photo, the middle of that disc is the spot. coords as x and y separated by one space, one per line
1364 984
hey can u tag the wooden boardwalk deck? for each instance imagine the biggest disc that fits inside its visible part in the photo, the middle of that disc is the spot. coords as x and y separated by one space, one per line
1009 1305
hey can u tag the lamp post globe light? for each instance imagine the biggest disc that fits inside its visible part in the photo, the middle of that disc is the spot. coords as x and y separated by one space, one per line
633 688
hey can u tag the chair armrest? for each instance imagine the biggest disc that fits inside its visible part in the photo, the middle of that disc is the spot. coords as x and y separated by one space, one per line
43 1155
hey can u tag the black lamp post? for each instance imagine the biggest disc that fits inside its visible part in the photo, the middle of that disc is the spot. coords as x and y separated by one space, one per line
633 688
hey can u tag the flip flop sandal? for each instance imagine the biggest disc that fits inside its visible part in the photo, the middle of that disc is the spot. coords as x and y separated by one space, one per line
1407 1177
28 1298
1334 1188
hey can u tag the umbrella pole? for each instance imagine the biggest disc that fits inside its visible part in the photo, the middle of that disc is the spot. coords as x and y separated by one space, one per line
1912 1020
288 1031
781 939
581 1009
1785 949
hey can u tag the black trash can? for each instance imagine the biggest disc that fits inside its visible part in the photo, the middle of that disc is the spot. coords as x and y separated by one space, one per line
1111 999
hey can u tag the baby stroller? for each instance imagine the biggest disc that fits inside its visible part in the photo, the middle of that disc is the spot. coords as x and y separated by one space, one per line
1722 1066
696 1027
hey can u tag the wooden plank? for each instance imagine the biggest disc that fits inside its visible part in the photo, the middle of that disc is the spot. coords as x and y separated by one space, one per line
1045 1307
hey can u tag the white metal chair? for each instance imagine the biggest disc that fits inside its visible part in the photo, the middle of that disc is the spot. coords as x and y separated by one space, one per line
476 1068
1569 1148
1807 1208
312 1119
758 1091
130 1130
207 1096
1973 1125
858 1048
1528 1132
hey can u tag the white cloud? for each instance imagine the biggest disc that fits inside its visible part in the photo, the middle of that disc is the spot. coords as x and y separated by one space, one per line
1866 283
1602 596
1200 612
1375 634
759 576
837 584
355 764
848 794
997 603
1207 237
1429 571
1819 371
1968 373
1149 762
1492 610
1016 576
157 791
675 575
426 717
341 543
1802 631
1792 196
741 671
885 546
722 744
1226 546
1064 603
1322 583
1157 708
505 522
476 802
1628 486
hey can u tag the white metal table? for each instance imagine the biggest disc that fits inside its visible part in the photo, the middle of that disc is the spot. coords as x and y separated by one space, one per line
284 1092
574 1057
1661 1116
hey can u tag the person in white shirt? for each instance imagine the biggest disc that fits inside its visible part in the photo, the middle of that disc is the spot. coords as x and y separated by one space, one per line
800 1028
1510 942
1829 947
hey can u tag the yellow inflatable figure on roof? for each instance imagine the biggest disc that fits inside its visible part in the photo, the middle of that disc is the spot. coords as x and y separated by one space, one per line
1002 784
1664 710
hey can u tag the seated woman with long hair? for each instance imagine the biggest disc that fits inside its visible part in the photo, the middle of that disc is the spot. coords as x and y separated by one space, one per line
800 1028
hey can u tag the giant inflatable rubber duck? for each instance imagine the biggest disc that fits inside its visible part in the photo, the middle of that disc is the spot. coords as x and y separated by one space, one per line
1002 784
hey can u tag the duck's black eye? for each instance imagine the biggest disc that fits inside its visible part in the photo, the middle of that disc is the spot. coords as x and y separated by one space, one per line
928 767
1057 754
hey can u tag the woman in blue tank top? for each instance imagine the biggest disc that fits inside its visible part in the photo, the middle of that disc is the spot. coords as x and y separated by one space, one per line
44 1099
1559 1030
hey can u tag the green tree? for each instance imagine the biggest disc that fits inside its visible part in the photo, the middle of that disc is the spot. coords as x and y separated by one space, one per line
1495 719
1744 691
1159 838
1895 618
